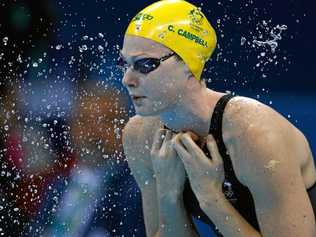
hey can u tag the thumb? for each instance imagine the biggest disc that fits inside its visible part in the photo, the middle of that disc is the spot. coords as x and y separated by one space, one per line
213 149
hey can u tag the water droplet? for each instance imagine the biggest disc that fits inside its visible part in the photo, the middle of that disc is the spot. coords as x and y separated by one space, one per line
59 46
35 64
55 198
19 59
138 27
5 40
100 48
162 35
83 48
242 41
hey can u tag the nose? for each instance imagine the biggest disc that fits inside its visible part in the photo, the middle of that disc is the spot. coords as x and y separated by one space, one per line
130 79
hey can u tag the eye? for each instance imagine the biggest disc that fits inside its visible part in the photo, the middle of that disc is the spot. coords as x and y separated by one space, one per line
146 65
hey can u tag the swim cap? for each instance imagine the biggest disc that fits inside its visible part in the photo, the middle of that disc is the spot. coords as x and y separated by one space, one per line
180 26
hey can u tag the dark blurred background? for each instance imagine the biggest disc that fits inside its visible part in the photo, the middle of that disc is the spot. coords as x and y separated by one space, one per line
57 65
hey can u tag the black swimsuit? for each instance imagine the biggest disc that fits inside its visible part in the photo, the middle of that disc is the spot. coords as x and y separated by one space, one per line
237 194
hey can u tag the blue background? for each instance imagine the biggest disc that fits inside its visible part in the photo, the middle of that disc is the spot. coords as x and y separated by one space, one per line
289 86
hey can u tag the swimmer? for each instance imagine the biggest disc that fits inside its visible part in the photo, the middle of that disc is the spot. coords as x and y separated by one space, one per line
230 161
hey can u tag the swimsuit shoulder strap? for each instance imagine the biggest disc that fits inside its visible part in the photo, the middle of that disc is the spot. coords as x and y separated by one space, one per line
216 130
217 116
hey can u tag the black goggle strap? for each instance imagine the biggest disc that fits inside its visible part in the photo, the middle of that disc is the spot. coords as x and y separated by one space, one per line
167 56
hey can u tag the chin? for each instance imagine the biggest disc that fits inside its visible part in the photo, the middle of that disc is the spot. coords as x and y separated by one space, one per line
143 112
148 110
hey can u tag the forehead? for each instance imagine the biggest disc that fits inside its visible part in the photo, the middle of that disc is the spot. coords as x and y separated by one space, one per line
134 45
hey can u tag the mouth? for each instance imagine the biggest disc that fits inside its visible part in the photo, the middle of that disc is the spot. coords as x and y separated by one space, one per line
136 97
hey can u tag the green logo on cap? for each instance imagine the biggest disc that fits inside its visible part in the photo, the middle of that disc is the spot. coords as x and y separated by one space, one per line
188 35
143 16
196 16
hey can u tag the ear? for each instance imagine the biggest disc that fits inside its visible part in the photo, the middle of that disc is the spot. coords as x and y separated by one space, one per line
190 76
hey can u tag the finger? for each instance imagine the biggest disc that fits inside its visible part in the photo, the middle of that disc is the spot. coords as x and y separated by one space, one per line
190 145
168 136
193 136
178 146
158 139
213 149
183 154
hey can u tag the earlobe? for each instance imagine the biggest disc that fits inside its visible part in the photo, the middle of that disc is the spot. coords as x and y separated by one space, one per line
190 76
192 83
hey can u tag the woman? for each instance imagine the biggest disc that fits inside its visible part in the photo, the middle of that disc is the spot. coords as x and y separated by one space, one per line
254 181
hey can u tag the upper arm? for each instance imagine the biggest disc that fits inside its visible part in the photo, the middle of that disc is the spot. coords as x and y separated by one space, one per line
266 164
274 180
140 164
136 150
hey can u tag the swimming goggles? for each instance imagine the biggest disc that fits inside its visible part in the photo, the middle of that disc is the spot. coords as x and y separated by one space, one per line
144 65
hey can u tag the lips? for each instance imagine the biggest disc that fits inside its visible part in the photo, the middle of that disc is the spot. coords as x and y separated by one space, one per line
136 97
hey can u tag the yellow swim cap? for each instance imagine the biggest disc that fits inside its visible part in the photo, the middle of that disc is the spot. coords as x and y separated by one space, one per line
180 26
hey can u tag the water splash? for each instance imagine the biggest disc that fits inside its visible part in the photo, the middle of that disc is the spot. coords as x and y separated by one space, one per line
275 33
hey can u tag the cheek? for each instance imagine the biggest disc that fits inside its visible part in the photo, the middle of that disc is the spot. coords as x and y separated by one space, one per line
162 92
164 85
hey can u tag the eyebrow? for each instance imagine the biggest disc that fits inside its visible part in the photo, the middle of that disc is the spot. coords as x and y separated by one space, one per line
135 55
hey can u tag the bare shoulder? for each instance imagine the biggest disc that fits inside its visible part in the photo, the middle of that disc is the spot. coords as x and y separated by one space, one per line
138 133
249 125
247 111
248 116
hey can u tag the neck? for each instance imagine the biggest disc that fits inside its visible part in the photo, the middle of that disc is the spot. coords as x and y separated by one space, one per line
193 112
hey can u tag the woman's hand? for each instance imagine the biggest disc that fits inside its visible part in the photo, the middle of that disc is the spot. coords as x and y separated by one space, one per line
206 175
168 167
